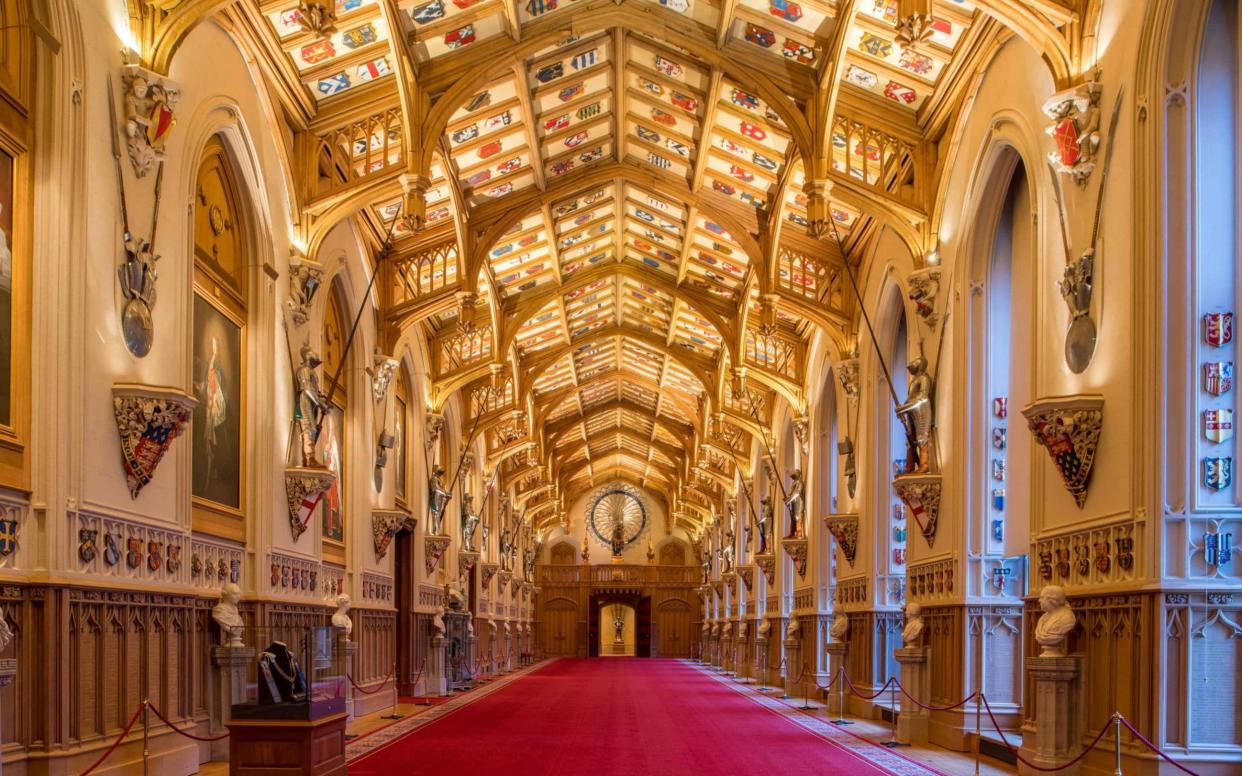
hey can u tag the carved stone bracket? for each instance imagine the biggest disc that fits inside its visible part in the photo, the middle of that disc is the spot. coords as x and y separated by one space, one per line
747 575
148 419
487 571
149 100
921 492
385 524
502 581
797 550
1069 428
466 560
925 293
767 564
304 486
847 373
305 277
435 424
434 547
844 529
383 368
730 578
1074 116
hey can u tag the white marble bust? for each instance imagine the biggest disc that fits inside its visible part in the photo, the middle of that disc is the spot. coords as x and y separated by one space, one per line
840 627
226 615
741 629
470 626
791 630
765 628
437 623
912 634
341 620
1055 623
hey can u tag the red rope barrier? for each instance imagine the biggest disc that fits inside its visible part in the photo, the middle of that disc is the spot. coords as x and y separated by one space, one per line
182 732
922 705
854 690
1022 759
358 688
118 740
1153 747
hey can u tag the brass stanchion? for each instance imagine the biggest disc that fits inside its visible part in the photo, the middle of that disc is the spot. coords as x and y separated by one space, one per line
1117 743
894 743
394 714
147 735
841 720
765 687
978 731
806 693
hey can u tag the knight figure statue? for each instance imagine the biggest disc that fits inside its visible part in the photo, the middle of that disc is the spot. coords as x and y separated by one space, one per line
437 498
469 522
918 416
765 523
795 505
309 410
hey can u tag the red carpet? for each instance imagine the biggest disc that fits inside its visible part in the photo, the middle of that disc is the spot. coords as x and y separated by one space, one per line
613 716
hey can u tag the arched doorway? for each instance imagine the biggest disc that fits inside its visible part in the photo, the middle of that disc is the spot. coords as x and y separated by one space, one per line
603 629
617 630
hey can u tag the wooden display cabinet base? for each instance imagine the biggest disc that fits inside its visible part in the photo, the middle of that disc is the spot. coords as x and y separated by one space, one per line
287 747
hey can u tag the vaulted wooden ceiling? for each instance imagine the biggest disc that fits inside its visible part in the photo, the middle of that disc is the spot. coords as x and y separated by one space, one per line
618 222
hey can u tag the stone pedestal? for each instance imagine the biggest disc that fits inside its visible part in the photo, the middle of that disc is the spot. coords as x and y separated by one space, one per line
793 666
912 722
836 662
1058 719
726 652
8 669
351 649
437 670
228 685
472 658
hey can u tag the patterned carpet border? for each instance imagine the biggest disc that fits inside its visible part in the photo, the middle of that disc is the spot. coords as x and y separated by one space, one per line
372 742
864 748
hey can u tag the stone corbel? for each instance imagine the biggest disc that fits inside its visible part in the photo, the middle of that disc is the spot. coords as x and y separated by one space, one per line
148 419
382 370
767 564
1074 125
730 578
797 549
844 529
304 486
769 304
921 493
385 524
305 278
747 575
150 100
435 425
1068 427
925 294
466 560
488 570
433 548
502 581
802 432
847 373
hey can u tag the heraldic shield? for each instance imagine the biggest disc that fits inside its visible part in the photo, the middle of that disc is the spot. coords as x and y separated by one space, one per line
1217 473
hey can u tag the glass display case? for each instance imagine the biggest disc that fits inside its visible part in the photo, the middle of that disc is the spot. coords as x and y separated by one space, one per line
297 673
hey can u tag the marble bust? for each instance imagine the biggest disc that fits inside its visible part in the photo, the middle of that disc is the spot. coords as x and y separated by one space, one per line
741 629
1055 623
340 619
840 628
791 630
437 623
226 615
912 633
765 628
